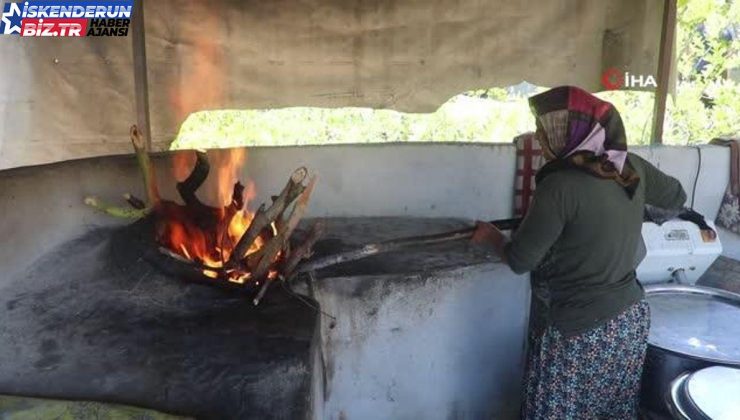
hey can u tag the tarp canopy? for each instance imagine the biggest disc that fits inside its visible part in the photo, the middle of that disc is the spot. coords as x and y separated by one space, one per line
65 98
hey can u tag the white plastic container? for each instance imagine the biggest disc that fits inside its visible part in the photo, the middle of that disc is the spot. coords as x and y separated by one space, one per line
673 246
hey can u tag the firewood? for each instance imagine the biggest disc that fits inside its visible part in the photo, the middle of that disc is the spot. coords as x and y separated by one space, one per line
237 197
264 217
304 250
145 166
178 257
236 205
278 243
261 293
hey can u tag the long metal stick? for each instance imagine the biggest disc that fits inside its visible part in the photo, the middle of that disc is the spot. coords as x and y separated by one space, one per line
397 244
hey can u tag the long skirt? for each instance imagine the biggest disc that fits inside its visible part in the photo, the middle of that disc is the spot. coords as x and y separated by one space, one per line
592 375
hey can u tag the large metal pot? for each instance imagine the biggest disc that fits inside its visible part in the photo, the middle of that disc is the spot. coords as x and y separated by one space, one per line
692 327
710 393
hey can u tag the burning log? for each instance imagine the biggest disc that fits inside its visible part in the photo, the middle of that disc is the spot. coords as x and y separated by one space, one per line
264 218
237 197
301 252
280 241
304 250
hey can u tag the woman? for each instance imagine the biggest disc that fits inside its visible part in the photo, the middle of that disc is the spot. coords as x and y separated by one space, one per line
589 322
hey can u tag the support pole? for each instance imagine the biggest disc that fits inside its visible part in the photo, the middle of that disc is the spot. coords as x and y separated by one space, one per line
141 85
667 36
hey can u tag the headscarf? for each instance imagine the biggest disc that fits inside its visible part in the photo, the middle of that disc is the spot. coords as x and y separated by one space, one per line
584 132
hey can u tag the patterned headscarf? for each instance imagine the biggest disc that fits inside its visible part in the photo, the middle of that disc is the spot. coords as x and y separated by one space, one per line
584 132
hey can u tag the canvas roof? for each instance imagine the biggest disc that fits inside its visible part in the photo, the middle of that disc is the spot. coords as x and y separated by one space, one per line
63 98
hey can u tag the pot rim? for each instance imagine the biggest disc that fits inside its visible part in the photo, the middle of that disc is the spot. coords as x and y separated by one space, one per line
655 289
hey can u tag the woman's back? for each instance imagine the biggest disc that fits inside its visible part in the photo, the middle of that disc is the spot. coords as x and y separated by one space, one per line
589 323
580 239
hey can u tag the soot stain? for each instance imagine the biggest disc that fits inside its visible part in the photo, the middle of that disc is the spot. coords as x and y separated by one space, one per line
48 362
11 304
50 358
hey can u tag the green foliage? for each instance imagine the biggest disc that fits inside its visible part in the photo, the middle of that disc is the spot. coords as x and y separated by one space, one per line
706 103
495 93
462 119
636 109
707 100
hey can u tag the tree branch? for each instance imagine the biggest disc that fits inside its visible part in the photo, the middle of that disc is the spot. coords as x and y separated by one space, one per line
145 166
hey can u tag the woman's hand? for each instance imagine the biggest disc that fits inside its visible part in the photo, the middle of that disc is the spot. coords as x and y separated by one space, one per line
484 233
488 234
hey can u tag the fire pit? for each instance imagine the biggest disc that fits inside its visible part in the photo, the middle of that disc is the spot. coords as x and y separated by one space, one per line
105 317
230 245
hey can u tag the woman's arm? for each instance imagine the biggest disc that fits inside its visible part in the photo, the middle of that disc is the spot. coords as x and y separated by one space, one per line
661 190
490 235
536 234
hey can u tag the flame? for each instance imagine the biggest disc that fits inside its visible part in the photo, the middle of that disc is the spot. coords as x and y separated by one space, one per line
202 85
181 228
202 67
228 164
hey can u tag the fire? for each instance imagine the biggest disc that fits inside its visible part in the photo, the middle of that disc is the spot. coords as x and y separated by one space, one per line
207 235
202 70
228 165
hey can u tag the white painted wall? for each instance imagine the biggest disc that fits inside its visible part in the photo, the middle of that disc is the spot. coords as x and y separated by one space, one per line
683 163
450 346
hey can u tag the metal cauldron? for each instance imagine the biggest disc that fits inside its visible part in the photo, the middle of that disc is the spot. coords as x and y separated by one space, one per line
692 328
711 393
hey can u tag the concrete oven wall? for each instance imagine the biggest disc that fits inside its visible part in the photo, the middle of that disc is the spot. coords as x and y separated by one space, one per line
41 207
